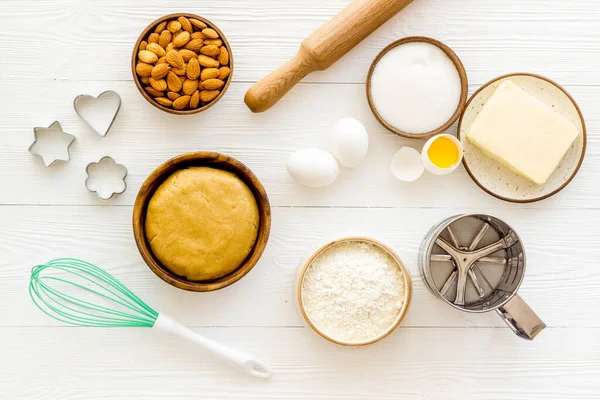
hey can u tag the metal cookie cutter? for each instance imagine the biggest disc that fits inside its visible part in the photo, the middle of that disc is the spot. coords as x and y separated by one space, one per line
51 144
99 113
483 275
106 178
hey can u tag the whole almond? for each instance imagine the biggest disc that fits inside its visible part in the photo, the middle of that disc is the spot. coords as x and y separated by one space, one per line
210 50
162 60
156 49
159 85
153 92
174 59
212 84
198 35
174 26
153 38
143 45
214 42
210 33
197 23
187 54
165 38
185 24
209 73
208 62
163 101
173 82
173 95
193 69
169 47
195 45
143 69
224 73
208 95
147 57
160 27
181 102
181 39
195 99
190 86
223 57
145 80
160 71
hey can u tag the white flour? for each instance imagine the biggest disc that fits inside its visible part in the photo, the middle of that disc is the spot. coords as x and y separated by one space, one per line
353 291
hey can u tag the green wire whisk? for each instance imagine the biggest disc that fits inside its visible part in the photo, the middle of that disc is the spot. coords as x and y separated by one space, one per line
79 293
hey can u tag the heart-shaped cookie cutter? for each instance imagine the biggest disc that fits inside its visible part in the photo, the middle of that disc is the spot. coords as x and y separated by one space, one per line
84 102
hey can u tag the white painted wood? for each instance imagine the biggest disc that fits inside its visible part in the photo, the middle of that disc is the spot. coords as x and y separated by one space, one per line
53 51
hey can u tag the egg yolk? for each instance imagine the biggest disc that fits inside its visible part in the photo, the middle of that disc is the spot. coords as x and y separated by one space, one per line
443 152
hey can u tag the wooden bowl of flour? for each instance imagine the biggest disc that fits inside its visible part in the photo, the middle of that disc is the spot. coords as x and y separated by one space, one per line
316 319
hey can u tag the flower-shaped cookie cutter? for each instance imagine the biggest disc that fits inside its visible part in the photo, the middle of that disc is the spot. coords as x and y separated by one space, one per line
51 144
106 178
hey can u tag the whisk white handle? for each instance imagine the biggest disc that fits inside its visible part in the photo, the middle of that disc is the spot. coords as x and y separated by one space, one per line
238 359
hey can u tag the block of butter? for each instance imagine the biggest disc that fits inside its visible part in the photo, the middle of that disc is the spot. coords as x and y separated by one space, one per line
522 133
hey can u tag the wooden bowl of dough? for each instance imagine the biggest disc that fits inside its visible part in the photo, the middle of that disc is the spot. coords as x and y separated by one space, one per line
464 88
197 159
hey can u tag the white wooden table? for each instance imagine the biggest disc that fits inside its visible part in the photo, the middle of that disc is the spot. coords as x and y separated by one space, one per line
53 51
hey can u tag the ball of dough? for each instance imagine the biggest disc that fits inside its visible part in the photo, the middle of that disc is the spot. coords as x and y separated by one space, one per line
202 223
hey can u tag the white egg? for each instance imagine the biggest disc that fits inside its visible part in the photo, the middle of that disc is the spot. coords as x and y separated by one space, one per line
407 164
350 142
313 167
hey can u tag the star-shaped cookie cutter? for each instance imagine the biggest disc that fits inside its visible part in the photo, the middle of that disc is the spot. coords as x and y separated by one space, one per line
43 135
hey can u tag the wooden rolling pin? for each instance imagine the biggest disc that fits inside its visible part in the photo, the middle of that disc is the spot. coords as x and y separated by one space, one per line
322 48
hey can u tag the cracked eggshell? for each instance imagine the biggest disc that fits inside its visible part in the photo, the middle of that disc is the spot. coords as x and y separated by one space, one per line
407 164
313 167
350 142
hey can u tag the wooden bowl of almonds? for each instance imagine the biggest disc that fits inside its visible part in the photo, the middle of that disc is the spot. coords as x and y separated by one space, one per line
182 63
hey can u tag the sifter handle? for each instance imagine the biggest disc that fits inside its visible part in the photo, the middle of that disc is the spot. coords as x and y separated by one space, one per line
238 359
521 318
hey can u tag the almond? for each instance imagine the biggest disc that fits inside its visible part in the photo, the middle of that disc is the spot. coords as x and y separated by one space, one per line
173 95
195 99
198 35
160 27
143 69
163 101
153 38
173 82
193 69
169 47
181 39
214 42
162 60
174 59
209 50
195 45
145 80
165 38
181 102
143 45
210 84
187 54
153 92
224 73
223 57
209 73
208 95
185 24
158 84
210 33
147 57
190 86
174 26
207 62
197 23
156 49
160 71
180 71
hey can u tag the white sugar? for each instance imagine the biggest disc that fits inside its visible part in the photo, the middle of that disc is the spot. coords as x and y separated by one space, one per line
415 87
353 291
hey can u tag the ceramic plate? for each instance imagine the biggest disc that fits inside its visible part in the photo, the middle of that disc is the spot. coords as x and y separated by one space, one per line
498 180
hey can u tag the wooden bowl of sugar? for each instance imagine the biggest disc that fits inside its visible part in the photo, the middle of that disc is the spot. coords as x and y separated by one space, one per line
417 87
353 291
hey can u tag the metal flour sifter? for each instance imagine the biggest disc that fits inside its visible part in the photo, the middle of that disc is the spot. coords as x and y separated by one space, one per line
476 263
